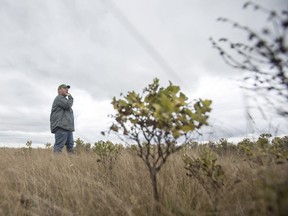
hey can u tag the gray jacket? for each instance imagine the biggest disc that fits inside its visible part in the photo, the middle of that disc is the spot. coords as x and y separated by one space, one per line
62 113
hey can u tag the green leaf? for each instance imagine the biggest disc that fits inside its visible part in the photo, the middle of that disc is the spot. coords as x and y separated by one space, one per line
187 128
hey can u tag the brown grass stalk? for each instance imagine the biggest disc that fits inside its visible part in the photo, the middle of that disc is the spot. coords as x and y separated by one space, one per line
37 182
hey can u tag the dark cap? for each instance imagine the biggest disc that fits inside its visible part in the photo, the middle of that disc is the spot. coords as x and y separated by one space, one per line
64 86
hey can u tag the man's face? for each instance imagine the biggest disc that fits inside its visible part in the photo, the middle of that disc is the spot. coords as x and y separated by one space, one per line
63 91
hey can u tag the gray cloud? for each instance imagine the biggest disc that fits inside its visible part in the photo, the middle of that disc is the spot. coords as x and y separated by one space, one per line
103 50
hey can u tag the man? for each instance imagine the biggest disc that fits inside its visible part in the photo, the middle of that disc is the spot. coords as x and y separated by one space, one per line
62 120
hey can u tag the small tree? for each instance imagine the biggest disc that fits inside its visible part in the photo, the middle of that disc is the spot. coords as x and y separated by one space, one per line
81 146
29 145
108 153
48 145
160 121
208 173
264 56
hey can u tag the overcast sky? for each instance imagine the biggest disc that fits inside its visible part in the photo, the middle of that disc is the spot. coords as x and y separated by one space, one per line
104 48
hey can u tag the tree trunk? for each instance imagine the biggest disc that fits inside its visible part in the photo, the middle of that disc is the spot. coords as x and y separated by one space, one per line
153 176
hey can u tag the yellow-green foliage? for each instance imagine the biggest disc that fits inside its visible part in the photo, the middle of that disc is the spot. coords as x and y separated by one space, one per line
264 151
162 110
207 172
81 146
108 152
205 166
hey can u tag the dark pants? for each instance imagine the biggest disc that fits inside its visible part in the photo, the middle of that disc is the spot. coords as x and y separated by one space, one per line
62 138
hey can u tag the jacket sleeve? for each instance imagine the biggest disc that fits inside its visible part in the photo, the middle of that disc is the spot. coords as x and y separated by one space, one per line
63 102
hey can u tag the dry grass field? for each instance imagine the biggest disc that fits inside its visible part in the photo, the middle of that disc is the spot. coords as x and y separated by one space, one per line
37 182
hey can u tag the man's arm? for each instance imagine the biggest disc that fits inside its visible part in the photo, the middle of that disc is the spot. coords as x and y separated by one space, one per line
63 102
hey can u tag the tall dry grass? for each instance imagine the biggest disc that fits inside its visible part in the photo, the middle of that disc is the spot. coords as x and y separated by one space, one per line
37 182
